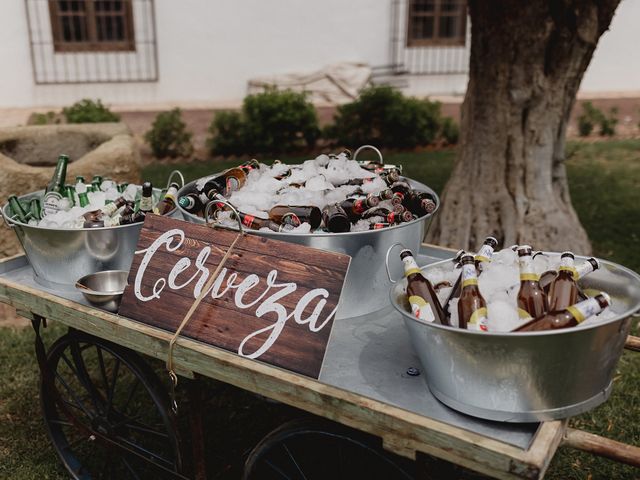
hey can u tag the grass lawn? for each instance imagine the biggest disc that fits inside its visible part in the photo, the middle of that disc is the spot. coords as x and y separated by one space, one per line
605 186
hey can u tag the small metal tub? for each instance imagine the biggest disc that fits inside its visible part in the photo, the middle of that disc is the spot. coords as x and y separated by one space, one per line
60 256
366 286
532 376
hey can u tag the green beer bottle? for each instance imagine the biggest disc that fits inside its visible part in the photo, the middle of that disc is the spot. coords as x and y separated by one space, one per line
83 199
55 189
17 211
35 208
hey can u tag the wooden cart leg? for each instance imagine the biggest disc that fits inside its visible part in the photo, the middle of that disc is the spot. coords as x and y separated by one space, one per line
601 446
194 395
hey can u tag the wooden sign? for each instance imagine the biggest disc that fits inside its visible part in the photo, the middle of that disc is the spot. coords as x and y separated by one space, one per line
272 301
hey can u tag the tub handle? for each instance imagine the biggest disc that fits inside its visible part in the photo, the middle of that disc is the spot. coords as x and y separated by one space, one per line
207 211
386 260
369 147
175 173
7 221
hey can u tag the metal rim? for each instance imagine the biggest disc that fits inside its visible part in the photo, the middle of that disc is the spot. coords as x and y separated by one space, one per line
368 147
393 294
195 219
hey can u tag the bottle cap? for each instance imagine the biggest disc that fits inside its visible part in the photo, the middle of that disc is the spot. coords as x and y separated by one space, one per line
524 250
467 257
406 253
147 189
567 254
594 261
493 241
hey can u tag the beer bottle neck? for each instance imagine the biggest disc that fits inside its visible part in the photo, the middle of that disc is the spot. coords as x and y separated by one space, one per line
583 269
410 265
485 253
527 272
469 275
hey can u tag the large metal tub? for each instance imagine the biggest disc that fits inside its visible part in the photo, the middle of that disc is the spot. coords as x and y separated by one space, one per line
61 256
532 376
366 286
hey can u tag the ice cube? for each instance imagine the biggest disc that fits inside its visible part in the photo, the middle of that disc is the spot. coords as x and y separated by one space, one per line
107 185
318 183
130 192
502 316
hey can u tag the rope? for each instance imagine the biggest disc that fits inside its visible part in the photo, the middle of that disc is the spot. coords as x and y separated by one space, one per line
187 317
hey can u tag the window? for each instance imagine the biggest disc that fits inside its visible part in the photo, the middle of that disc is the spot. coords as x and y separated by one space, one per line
92 25
436 23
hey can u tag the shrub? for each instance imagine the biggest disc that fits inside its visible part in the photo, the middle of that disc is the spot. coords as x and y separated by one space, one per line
169 136
270 122
449 131
88 111
592 116
49 118
384 117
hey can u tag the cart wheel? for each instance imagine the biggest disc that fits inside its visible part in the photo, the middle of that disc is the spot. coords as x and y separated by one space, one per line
106 412
313 450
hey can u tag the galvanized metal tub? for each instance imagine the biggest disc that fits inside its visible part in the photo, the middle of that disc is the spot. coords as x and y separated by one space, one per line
532 376
61 256
366 285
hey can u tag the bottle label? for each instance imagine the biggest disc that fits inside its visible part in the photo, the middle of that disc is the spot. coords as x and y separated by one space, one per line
359 206
478 320
523 314
291 218
469 275
527 271
112 221
232 184
51 203
485 253
421 308
172 194
529 277
410 266
583 310
247 221
146 204
583 269
567 265
110 208
391 217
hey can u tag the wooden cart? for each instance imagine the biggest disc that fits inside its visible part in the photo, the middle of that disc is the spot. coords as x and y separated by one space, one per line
369 382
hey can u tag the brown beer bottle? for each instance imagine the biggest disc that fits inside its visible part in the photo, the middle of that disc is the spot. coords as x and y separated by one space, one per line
484 255
563 291
532 301
355 207
296 215
335 219
570 317
472 308
256 223
169 200
422 298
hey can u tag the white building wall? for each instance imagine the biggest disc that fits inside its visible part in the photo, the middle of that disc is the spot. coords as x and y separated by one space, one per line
207 51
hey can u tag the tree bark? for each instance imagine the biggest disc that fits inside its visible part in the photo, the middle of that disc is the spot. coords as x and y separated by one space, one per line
527 61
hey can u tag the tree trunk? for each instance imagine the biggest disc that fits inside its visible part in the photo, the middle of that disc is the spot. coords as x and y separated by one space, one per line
527 61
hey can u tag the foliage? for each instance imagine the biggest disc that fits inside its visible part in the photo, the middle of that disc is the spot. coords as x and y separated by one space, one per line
169 136
88 111
449 131
592 116
270 122
48 118
384 117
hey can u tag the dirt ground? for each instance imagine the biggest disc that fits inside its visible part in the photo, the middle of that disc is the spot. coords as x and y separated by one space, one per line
9 318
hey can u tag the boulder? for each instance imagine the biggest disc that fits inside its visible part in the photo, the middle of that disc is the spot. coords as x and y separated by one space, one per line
28 156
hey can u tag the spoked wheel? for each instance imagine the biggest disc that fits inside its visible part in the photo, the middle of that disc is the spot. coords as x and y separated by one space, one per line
106 412
315 450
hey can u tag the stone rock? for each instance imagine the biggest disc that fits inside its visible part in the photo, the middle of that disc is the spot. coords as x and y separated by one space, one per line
106 149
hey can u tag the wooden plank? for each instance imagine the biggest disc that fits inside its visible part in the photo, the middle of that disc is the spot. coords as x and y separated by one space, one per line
632 343
601 446
273 301
401 430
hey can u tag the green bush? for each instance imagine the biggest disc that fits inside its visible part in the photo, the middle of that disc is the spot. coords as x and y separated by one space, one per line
384 117
449 131
169 136
88 111
270 122
592 116
49 118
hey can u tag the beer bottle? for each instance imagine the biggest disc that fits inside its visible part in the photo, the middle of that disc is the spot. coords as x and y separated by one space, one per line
226 183
192 203
388 216
585 268
378 225
483 256
55 188
420 203
355 207
422 298
70 193
249 165
146 201
569 317
532 301
295 215
122 187
17 210
116 220
563 291
35 208
546 279
359 181
83 199
402 189
169 200
107 211
390 177
256 223
335 218
472 308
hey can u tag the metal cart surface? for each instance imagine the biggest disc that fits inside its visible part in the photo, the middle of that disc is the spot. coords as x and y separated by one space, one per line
368 382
